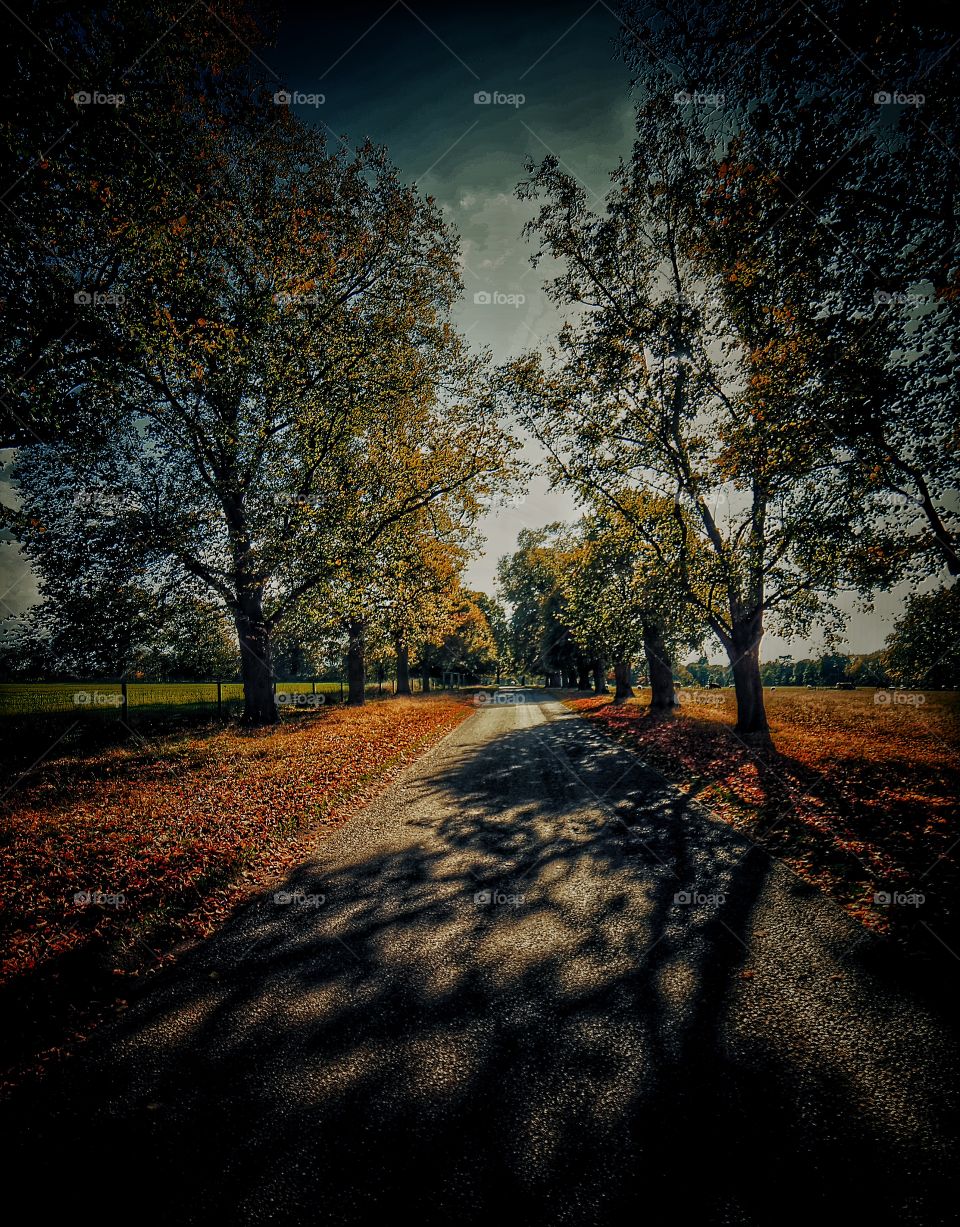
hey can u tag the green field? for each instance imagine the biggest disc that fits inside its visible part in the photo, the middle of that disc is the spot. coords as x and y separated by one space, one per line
87 698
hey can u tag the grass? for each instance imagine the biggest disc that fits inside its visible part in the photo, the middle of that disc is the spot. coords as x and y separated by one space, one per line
85 698
859 795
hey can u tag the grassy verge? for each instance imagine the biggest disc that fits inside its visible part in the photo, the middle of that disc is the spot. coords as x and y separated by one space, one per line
114 856
859 796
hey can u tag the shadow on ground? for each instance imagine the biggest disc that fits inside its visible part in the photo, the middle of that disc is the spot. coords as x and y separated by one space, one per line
501 1007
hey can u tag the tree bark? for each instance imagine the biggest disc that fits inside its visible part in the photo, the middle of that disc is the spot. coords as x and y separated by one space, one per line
583 676
403 666
253 630
663 698
425 670
256 669
356 673
599 678
621 672
744 653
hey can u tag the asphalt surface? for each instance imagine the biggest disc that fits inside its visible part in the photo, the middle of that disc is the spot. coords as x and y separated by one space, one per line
531 983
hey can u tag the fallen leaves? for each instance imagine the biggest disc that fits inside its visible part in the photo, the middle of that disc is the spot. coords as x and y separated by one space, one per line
856 798
135 845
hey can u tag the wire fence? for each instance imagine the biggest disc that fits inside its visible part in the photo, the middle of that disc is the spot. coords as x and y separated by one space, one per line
89 697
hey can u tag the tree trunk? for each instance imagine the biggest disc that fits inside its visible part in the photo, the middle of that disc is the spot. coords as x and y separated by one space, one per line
599 678
256 669
744 652
621 671
583 675
425 670
356 675
403 666
663 698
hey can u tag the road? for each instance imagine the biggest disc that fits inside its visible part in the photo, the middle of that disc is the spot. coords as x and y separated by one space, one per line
533 983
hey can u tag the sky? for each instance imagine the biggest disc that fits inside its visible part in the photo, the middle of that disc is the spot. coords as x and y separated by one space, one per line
461 96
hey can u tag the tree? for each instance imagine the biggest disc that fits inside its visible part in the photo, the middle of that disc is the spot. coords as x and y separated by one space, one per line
469 646
427 556
541 637
97 117
869 669
850 195
286 382
496 618
923 649
195 642
109 610
832 668
622 600
656 384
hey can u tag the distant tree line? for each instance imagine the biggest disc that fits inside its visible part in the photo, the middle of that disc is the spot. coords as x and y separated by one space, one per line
589 600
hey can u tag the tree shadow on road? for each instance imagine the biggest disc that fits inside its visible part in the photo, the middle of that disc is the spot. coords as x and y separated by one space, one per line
541 998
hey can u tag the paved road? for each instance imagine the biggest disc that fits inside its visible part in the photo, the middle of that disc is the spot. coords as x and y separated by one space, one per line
491 1006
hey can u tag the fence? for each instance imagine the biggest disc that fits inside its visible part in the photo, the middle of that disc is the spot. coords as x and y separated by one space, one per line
83 697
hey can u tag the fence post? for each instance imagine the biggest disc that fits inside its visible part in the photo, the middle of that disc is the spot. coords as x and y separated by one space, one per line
313 686
219 697
341 690
123 698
